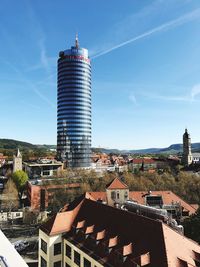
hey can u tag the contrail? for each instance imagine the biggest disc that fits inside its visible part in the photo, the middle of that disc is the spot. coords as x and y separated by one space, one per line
164 27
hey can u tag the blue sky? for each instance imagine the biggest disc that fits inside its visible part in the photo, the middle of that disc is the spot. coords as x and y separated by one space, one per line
145 68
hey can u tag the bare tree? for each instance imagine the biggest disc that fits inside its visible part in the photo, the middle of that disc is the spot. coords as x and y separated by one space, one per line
10 198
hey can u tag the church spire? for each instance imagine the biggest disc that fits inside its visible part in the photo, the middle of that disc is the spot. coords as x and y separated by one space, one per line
76 41
18 153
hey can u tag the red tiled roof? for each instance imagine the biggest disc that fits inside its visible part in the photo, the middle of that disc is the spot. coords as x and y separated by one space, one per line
145 161
178 246
62 221
195 206
99 196
135 236
167 196
116 184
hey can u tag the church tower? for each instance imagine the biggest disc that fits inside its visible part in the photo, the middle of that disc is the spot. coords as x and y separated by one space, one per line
17 161
187 153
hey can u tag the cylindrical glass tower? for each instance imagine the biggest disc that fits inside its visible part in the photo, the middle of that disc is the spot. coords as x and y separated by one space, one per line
74 107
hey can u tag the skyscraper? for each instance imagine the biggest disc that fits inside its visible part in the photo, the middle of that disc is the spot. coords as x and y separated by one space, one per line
74 107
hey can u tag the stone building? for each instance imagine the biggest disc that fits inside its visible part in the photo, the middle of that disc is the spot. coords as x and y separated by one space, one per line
17 161
117 192
189 157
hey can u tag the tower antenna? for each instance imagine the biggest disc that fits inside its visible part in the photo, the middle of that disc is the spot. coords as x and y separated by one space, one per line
76 41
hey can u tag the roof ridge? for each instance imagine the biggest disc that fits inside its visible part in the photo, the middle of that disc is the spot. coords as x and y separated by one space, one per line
116 179
182 199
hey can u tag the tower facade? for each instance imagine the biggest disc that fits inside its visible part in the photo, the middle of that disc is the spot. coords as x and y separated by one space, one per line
187 152
17 162
74 107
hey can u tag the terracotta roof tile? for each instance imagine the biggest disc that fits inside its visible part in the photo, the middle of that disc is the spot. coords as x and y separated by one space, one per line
89 229
62 221
80 224
116 184
142 160
59 223
99 195
127 249
113 241
143 259
178 246
100 235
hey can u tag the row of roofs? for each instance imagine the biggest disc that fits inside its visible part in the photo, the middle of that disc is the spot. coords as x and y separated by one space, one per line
168 197
35 195
125 159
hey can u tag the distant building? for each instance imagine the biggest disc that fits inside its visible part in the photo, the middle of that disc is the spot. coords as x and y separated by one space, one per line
196 158
42 168
117 192
2 159
188 157
142 164
89 234
17 161
6 216
187 152
40 193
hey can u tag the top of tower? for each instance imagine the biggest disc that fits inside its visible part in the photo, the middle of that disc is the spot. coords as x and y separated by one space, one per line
18 153
186 134
76 41
75 52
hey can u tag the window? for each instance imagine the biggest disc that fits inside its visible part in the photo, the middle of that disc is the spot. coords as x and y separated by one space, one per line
43 246
68 251
86 263
77 258
43 262
57 249
57 264
113 194
46 173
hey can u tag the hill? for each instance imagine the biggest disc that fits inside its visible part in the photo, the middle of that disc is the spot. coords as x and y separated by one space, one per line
10 144
14 144
172 149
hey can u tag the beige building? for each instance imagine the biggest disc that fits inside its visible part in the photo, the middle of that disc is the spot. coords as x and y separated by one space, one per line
117 192
86 233
17 161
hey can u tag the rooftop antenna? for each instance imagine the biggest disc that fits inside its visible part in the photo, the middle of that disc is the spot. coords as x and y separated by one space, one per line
76 41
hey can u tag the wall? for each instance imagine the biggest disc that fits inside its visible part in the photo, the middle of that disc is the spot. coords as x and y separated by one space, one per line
119 196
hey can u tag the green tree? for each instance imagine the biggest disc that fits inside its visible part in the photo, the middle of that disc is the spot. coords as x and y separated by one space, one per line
20 178
192 226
